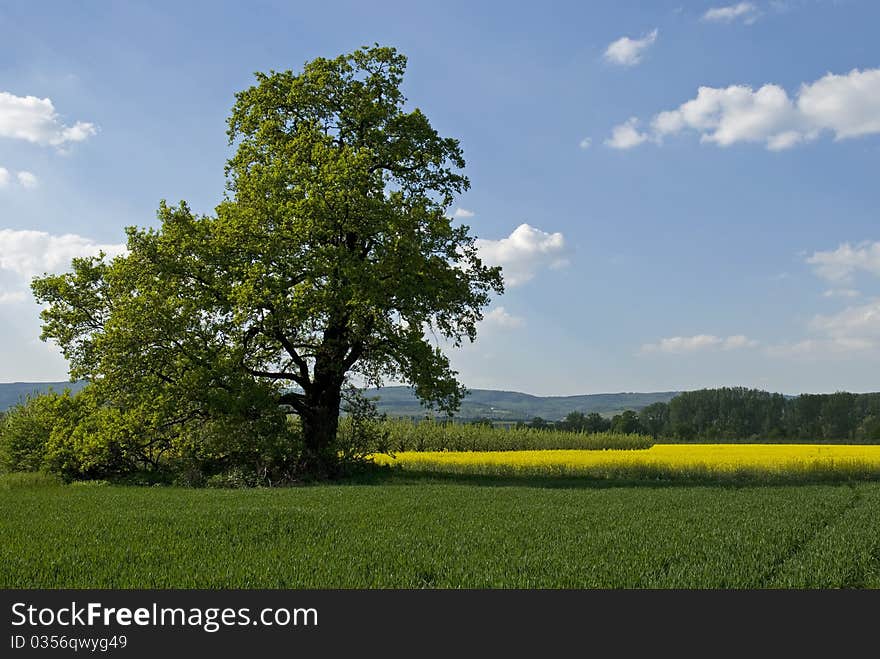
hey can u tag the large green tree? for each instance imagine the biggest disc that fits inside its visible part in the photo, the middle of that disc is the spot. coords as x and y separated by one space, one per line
331 254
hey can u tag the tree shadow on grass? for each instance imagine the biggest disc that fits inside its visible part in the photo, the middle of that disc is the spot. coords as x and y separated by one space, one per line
383 475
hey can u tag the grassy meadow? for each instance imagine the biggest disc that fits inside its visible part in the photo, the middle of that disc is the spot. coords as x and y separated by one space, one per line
401 530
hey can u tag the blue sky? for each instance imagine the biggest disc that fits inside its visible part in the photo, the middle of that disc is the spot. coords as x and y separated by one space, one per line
675 237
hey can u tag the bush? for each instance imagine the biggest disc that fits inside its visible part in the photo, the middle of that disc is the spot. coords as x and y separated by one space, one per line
25 430
234 452
74 436
362 430
95 441
91 435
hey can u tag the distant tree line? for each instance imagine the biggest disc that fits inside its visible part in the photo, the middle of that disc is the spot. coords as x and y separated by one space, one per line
741 414
626 423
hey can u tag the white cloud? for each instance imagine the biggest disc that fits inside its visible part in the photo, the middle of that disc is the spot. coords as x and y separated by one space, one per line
846 105
25 254
462 212
746 11
28 253
842 263
499 317
585 143
820 348
738 341
523 253
679 344
35 120
699 342
841 292
734 114
853 331
626 135
26 180
628 52
854 324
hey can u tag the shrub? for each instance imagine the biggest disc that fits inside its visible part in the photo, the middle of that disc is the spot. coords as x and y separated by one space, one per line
362 431
94 441
25 430
235 452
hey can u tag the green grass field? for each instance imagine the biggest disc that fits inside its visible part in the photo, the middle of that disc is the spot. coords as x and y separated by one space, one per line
411 531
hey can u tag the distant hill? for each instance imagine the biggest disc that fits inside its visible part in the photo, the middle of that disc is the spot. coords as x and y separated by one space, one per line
15 392
400 401
512 405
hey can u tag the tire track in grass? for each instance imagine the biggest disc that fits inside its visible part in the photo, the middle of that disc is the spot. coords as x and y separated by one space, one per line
872 579
798 544
843 553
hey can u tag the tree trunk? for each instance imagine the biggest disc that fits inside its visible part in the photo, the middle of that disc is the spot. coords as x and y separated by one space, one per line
323 398
320 421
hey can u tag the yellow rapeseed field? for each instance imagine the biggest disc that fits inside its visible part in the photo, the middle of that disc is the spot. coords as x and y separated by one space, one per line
777 461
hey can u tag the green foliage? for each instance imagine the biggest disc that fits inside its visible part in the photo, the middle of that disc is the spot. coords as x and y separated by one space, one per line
403 435
869 429
580 422
626 423
573 422
236 451
93 441
654 418
25 430
331 254
539 424
363 430
87 436
449 535
595 422
732 414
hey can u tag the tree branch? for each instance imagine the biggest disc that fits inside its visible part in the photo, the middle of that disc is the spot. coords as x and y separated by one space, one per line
294 357
274 375
295 400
